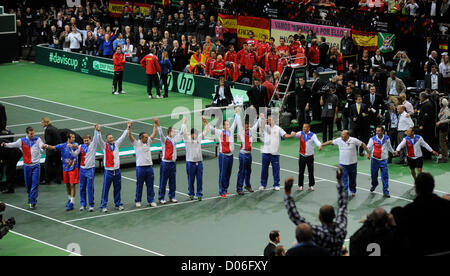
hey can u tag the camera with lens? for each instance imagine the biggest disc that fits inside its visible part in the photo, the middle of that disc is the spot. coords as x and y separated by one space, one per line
5 225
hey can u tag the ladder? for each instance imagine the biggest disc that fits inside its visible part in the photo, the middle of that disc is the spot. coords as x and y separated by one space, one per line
286 84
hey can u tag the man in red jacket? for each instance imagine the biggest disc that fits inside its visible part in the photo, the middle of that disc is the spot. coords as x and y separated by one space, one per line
250 59
283 47
263 50
271 62
151 66
119 61
231 55
210 61
241 54
218 69
232 72
258 73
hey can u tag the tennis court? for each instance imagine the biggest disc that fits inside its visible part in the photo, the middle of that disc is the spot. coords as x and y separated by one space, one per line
238 225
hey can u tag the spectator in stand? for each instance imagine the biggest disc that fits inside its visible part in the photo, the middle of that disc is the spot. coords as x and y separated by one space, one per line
444 69
379 227
280 251
53 38
268 84
323 52
377 60
218 68
271 62
364 65
412 7
282 47
435 81
231 55
210 63
394 86
427 216
443 129
403 64
74 38
427 122
408 106
258 73
197 63
176 56
347 49
274 240
220 49
107 43
90 44
223 95
331 234
201 27
313 57
63 38
432 60
166 69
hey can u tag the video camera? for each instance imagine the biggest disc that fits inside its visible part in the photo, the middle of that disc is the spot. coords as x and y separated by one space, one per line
7 225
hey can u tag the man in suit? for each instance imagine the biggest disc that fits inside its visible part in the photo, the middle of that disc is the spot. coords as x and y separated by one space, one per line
223 95
359 112
432 60
435 80
302 99
429 47
376 106
176 56
391 125
315 98
275 239
394 87
323 52
427 216
305 246
257 95
3 119
427 122
53 163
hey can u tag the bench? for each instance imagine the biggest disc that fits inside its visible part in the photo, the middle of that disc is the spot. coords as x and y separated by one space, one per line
129 151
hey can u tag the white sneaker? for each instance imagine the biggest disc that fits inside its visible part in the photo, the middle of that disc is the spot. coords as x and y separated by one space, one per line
104 210
138 205
300 189
120 208
159 97
123 92
82 208
162 202
261 188
173 200
91 209
153 204
116 93
311 189
277 188
150 96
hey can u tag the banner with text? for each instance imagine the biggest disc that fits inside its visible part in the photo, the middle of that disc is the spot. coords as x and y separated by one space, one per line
144 8
229 22
283 29
115 8
259 26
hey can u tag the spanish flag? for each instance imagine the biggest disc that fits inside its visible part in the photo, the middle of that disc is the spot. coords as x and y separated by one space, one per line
166 3
367 40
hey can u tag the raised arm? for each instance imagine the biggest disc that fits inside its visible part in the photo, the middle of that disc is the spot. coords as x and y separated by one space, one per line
17 144
206 128
341 218
130 134
289 203
160 132
154 131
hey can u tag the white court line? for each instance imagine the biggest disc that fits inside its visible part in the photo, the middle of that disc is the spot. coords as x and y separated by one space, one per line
17 96
85 230
134 180
162 206
35 123
288 156
45 243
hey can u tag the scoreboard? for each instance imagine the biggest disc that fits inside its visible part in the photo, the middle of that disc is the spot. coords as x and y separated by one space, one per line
7 23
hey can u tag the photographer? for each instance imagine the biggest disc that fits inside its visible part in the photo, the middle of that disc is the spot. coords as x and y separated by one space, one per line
7 225
330 102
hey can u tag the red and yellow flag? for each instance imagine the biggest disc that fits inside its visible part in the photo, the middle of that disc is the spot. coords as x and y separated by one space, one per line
259 26
229 22
116 8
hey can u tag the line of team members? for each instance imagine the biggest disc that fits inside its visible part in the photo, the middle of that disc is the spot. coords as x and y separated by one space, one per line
377 150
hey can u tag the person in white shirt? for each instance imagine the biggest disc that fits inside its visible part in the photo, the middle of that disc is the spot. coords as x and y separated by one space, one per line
194 158
75 40
87 167
168 169
271 150
348 158
246 135
413 144
404 122
380 145
408 106
144 165
113 175
226 148
412 7
307 141
31 147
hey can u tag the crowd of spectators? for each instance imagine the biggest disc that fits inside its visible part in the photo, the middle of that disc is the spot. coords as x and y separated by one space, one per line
419 228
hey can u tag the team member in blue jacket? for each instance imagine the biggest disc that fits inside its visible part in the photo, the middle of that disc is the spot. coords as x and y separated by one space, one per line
166 68
108 43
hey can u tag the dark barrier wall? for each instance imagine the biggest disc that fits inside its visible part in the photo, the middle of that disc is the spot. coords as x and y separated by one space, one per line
9 47
178 82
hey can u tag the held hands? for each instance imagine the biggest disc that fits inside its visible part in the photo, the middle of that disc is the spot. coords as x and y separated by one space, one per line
238 110
184 120
368 156
97 127
3 144
156 121
435 153
395 153
339 174
129 125
204 120
293 133
288 183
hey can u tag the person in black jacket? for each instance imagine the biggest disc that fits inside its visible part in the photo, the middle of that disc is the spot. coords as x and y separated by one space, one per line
376 106
422 226
315 98
53 163
359 112
427 122
302 99
3 119
391 125
379 228
176 56
435 80
323 52
305 246
223 95
257 95
349 101
275 239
